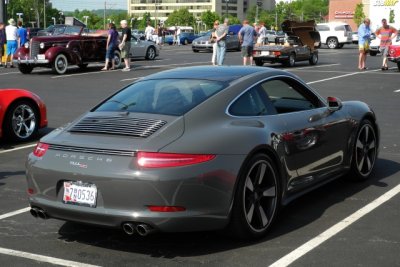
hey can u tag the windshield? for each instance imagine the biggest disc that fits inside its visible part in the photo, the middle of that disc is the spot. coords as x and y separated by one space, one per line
167 96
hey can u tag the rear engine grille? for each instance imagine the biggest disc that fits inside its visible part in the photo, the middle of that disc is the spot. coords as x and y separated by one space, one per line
93 150
34 49
118 126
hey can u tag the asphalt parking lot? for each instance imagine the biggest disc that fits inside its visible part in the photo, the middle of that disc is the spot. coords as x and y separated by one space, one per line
340 224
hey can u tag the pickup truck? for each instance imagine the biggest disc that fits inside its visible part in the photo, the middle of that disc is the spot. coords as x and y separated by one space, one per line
300 44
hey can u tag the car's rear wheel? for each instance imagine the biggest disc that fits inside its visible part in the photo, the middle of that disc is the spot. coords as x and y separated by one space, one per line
195 50
60 64
340 45
332 43
21 121
365 151
25 68
398 65
117 59
151 53
313 59
256 202
259 62
291 62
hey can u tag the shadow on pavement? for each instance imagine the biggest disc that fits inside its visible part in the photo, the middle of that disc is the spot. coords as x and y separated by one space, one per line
298 214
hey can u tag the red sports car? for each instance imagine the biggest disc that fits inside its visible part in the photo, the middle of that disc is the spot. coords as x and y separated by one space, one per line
22 113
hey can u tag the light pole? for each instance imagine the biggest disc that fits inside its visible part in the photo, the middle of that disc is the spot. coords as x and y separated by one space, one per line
44 13
54 20
131 22
19 16
86 18
226 1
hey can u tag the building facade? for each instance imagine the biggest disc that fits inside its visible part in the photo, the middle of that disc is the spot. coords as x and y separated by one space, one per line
161 9
376 10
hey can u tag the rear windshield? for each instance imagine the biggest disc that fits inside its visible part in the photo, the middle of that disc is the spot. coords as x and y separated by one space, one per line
166 96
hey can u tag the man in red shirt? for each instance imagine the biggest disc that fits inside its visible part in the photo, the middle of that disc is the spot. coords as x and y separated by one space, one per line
386 33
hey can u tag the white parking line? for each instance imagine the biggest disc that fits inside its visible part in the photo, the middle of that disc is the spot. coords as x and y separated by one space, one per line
17 148
397 91
10 214
319 66
341 76
40 258
316 241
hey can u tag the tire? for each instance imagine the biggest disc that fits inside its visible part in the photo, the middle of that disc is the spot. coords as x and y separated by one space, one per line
340 45
25 68
332 43
313 59
117 59
60 64
259 62
291 62
195 50
150 53
21 121
398 65
373 53
256 202
364 152
185 42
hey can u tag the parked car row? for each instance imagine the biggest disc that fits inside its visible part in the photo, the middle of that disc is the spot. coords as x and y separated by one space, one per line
75 46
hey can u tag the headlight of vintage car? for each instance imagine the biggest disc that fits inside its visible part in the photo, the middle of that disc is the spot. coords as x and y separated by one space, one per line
41 45
26 45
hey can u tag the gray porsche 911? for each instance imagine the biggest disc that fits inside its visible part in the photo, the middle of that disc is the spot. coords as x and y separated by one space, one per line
200 148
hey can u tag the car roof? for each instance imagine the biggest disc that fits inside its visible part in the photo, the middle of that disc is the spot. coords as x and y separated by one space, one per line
220 73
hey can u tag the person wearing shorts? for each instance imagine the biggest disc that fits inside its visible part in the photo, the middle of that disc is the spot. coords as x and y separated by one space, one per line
12 44
386 33
2 42
364 37
126 44
112 41
247 36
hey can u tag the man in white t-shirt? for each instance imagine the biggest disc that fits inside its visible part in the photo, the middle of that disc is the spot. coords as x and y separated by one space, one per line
12 44
149 32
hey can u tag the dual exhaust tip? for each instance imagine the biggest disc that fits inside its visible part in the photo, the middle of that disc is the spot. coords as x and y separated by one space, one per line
39 213
129 228
142 229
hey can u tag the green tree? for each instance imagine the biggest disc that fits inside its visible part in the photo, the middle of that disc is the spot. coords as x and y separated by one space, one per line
359 15
391 16
181 17
209 17
33 11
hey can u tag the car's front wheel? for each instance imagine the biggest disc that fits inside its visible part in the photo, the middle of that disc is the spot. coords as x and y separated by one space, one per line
25 68
313 59
151 53
60 64
291 62
398 65
365 151
21 121
117 59
256 201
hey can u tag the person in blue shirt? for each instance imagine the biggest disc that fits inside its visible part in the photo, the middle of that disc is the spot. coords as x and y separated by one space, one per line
364 38
22 34
247 36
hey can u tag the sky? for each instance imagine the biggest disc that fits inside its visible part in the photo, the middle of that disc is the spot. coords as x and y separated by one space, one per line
71 5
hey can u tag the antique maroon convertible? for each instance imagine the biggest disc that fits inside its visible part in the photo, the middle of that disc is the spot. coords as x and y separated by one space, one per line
74 47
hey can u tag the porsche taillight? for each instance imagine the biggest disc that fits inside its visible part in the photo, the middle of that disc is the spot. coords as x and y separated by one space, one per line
40 149
167 160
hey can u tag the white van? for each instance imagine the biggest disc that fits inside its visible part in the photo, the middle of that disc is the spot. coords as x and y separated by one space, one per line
335 34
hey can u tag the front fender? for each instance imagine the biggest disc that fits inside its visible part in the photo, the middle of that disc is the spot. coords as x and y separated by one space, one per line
21 53
53 52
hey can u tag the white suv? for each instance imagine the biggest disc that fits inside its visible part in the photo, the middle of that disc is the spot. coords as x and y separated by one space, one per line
335 34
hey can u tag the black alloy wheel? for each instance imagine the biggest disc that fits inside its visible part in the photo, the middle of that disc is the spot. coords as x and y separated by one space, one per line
365 151
256 199
313 59
25 68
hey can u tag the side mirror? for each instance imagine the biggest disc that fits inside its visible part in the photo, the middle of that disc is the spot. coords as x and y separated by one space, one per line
334 103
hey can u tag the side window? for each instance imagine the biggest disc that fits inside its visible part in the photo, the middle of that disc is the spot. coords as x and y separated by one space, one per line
322 28
339 28
289 96
250 103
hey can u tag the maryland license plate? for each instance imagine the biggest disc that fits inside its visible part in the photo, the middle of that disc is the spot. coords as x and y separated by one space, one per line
79 193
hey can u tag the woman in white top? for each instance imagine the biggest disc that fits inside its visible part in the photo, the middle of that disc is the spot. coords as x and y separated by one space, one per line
12 44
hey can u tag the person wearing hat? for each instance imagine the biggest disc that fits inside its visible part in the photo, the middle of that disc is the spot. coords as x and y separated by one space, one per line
12 37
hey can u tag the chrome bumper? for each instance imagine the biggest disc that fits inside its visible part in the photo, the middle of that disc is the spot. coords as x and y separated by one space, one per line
31 61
